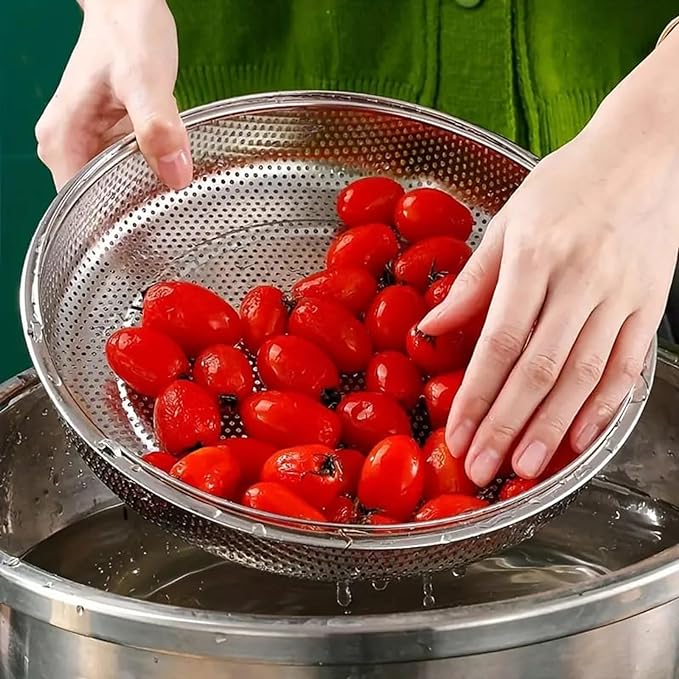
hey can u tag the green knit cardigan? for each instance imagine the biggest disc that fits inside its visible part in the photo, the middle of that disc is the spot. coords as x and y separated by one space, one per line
531 70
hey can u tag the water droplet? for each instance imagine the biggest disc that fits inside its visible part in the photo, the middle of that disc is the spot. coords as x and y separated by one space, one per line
35 330
259 530
45 412
11 561
221 640
428 599
135 468
54 379
18 438
48 585
459 572
344 594
79 610
380 585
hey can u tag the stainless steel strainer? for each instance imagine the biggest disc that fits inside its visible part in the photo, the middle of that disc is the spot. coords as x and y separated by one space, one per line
261 209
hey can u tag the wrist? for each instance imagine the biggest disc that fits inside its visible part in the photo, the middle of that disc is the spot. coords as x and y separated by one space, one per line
644 107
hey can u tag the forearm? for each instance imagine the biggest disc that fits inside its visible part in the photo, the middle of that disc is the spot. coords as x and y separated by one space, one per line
635 130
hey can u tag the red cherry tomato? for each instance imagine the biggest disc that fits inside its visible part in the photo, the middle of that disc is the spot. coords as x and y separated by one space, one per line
444 473
370 199
186 416
313 472
334 330
288 418
439 290
378 519
563 456
424 213
264 313
290 363
213 470
393 312
394 374
160 460
368 417
224 371
342 510
445 506
392 480
439 393
352 464
370 247
251 455
422 262
435 355
349 286
190 314
513 487
277 499
145 359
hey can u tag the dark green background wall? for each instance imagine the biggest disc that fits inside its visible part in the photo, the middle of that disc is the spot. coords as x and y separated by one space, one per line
36 37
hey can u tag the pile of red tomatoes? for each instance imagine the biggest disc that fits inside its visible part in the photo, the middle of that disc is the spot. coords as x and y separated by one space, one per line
315 449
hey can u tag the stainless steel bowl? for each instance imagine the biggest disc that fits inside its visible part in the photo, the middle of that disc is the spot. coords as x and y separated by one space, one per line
90 591
261 209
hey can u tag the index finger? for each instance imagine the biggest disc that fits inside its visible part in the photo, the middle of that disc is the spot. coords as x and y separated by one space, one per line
505 333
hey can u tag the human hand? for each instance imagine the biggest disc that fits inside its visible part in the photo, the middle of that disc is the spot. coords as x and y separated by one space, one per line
119 79
574 272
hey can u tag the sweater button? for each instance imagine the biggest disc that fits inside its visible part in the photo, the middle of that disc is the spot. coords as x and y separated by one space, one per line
468 4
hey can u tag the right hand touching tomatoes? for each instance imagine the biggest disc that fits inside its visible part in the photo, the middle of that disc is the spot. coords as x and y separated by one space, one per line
574 273
119 79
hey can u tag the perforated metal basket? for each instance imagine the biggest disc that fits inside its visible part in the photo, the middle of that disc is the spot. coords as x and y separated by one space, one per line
261 210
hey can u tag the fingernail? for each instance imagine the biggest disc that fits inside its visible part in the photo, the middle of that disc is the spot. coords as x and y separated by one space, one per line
459 439
175 169
586 436
530 462
485 466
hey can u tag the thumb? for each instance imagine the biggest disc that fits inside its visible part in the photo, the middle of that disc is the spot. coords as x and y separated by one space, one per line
472 290
160 133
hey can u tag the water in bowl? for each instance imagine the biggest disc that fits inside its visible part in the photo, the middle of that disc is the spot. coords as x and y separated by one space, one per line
609 527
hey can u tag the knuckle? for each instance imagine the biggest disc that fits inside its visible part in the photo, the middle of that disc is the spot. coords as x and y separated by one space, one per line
472 407
45 133
43 153
528 255
155 126
553 425
588 371
158 135
630 367
541 372
472 274
503 433
605 408
505 344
